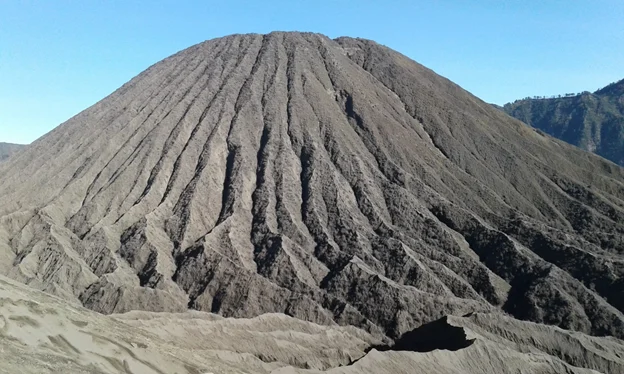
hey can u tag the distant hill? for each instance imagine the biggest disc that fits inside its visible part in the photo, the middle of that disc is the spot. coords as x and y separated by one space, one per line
7 149
592 121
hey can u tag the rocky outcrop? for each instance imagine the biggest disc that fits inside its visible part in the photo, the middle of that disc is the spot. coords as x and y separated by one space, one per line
335 181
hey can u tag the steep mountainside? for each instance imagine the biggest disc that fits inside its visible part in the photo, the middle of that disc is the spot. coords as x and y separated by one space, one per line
7 149
330 180
592 121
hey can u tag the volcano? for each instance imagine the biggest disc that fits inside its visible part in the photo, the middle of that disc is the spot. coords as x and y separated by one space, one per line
335 181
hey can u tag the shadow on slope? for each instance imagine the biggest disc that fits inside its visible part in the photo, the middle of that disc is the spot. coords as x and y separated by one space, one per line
436 335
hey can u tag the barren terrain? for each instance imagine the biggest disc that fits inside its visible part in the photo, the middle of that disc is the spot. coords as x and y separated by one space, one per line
333 181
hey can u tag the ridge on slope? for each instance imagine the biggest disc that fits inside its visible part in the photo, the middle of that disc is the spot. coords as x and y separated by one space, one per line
591 121
8 149
333 181
43 334
40 334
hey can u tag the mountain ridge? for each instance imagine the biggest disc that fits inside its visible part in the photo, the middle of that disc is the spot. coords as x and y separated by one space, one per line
45 334
591 121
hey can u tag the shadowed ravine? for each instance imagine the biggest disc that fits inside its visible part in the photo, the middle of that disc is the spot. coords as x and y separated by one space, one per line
330 180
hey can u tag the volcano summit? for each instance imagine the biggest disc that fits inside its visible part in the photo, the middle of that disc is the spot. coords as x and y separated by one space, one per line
330 180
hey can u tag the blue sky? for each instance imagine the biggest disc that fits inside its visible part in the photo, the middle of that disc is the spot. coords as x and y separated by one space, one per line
59 57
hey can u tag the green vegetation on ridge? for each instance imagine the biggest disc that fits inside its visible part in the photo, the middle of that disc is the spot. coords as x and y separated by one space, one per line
592 121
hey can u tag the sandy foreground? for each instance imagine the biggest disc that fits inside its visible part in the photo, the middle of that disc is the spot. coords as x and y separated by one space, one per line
41 333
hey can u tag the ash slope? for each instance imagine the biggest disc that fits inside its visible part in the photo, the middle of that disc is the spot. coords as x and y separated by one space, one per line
43 334
333 181
592 121
8 149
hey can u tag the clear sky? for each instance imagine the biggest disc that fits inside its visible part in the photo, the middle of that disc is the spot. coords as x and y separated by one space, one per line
59 57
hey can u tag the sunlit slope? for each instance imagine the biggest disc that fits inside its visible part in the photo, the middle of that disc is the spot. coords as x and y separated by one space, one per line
335 181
